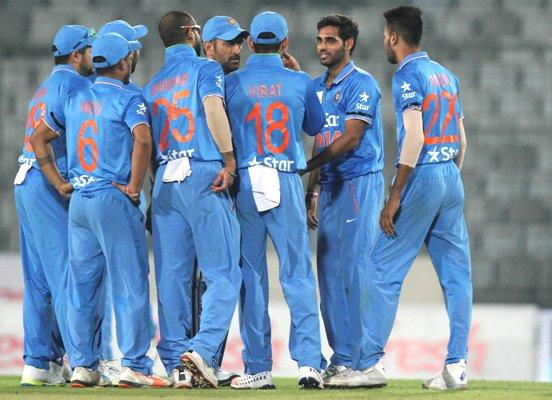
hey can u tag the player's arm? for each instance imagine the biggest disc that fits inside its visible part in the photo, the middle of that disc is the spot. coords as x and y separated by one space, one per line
410 152
41 141
311 197
459 160
354 128
217 121
141 152
290 62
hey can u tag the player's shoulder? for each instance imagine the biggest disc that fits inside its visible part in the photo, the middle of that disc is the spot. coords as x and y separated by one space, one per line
203 63
362 76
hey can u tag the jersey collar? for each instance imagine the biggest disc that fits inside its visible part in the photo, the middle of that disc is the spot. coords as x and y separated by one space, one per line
179 50
104 80
269 60
64 67
413 56
345 72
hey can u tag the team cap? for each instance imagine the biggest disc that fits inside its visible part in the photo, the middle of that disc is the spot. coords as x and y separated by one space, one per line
70 38
123 28
109 49
222 27
268 28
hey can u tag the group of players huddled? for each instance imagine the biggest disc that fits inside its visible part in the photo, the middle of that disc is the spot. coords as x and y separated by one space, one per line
225 150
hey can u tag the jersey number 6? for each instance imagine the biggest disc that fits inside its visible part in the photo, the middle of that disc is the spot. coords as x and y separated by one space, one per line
84 142
272 125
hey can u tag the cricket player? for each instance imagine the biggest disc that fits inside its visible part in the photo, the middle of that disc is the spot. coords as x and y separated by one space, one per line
108 152
349 149
107 364
222 39
43 217
192 212
268 106
425 203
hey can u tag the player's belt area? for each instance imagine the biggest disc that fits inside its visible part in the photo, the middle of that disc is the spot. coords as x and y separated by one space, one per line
441 139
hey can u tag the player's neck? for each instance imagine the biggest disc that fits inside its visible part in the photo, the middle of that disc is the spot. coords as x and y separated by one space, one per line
404 52
334 70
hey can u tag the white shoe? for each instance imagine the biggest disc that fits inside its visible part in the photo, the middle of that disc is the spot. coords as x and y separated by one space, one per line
33 376
224 377
134 379
203 374
62 368
309 378
262 380
333 370
375 375
453 377
181 378
348 378
111 372
86 377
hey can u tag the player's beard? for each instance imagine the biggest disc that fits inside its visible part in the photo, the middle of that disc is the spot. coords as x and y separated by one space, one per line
334 58
391 54
197 48
232 64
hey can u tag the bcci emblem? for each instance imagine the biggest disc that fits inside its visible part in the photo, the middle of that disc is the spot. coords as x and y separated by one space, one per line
337 97
231 21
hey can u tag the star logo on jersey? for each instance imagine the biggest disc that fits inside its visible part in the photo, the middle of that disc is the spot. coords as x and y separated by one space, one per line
218 81
254 162
142 110
405 87
364 96
434 155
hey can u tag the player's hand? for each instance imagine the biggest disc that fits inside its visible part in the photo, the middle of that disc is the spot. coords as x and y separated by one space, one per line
134 196
223 181
65 189
388 213
311 203
290 62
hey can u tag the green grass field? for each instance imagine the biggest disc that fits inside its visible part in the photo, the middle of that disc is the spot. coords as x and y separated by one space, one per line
287 389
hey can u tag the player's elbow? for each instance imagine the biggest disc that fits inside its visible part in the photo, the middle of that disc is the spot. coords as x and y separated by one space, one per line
353 142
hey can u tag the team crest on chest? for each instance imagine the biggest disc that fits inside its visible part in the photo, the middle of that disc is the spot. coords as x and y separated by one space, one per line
337 97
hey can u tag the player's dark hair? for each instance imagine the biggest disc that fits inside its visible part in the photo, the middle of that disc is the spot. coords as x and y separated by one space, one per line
406 21
267 48
59 60
106 70
170 27
348 27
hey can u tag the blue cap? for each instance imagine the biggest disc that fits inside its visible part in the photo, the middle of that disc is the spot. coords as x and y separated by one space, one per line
70 38
222 27
268 22
123 28
129 32
111 47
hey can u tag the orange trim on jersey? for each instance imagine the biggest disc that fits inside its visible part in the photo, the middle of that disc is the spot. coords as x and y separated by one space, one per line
441 139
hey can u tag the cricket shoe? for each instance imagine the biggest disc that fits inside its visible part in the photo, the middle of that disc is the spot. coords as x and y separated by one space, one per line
453 377
375 375
62 368
134 379
203 374
181 378
110 371
33 376
224 377
332 370
262 380
88 377
309 378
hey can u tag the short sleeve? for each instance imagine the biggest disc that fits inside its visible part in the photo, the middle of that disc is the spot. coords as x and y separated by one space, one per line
407 90
459 109
363 97
55 116
211 80
314 118
136 112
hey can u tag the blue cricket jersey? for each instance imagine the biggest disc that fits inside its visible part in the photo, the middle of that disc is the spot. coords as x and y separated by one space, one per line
354 94
98 122
421 82
175 97
268 105
55 89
